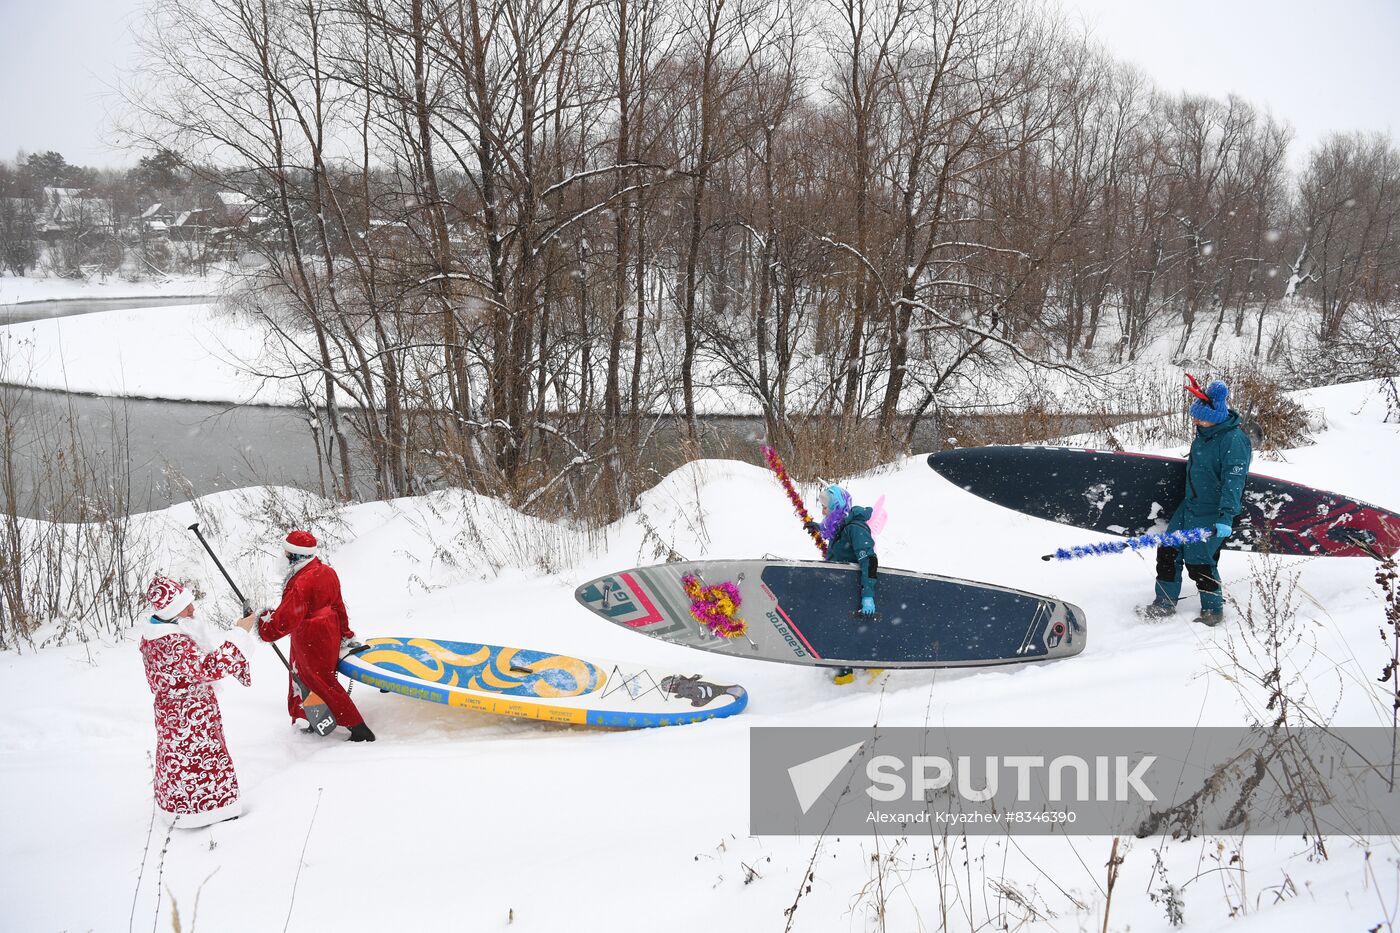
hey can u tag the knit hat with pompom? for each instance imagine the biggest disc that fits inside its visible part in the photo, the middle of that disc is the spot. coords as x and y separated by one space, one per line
1217 411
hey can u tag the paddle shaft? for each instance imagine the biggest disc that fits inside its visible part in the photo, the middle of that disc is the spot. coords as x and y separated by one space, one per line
247 606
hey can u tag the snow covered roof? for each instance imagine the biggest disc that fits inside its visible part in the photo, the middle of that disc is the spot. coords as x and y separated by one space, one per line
66 207
234 199
151 211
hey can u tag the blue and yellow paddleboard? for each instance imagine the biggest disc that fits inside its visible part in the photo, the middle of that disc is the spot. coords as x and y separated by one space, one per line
539 684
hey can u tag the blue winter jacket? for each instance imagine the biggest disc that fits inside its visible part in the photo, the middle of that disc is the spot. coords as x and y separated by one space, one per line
854 544
1215 475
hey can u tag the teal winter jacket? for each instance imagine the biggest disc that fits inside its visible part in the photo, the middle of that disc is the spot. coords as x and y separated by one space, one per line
854 544
1215 475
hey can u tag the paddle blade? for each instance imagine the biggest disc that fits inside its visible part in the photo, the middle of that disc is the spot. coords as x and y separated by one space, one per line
318 714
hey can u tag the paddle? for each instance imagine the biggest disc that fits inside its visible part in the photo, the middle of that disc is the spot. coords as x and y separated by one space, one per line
318 714
1142 542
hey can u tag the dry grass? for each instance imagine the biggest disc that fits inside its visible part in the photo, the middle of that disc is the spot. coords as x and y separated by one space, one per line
78 569
1261 399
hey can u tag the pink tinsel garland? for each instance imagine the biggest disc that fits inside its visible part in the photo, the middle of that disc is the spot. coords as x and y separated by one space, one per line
715 607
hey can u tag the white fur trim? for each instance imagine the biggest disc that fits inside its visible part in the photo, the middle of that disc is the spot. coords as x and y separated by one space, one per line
297 549
203 818
206 637
243 641
176 605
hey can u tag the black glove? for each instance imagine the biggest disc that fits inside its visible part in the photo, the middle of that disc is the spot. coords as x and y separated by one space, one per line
812 528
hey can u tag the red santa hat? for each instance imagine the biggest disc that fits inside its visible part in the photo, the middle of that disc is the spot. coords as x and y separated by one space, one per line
168 597
300 542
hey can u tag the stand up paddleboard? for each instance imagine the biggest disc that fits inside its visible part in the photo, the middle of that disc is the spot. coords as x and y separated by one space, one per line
800 612
1134 494
540 684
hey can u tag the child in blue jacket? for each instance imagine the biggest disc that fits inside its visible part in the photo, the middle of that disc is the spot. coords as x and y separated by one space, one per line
846 529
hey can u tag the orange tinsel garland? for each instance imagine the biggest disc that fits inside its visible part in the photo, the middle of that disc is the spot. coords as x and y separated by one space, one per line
775 463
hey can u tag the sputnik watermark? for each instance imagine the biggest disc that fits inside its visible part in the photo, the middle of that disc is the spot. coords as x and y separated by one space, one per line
810 779
1116 778
1081 780
943 818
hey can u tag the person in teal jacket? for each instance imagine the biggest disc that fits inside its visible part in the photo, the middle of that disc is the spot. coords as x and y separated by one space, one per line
1216 471
845 528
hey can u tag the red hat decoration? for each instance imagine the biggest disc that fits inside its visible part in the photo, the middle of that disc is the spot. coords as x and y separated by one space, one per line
300 542
167 597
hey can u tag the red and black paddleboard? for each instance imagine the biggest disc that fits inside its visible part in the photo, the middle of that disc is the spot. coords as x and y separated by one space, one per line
1134 494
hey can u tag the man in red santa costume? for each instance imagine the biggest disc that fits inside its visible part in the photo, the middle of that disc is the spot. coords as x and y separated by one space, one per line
313 613
194 781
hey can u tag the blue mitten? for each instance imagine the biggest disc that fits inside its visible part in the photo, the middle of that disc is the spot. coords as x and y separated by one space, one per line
867 605
1222 530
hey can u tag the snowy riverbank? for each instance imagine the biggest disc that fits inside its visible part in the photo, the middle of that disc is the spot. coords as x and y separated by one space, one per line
468 821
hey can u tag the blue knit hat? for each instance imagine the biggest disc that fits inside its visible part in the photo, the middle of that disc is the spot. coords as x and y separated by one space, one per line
1217 411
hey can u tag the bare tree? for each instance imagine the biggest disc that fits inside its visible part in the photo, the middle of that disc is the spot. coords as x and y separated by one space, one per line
1349 205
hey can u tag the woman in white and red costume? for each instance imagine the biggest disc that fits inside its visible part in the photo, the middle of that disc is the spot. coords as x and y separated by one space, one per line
313 613
194 783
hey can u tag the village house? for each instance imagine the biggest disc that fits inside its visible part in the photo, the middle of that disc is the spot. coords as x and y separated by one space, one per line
69 212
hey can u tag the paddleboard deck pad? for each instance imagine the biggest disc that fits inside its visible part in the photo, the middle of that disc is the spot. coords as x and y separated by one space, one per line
539 684
801 612
1133 494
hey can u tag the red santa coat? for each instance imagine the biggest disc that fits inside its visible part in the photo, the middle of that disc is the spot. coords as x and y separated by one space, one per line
194 783
313 613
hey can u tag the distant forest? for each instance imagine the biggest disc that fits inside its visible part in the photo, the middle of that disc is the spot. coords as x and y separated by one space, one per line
507 234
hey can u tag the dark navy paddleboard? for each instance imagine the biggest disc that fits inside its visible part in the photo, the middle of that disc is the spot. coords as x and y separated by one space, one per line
1133 494
801 612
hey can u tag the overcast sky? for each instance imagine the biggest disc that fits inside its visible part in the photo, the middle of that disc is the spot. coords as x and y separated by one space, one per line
1320 64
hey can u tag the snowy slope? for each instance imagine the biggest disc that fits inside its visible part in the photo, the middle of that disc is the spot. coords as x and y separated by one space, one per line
455 820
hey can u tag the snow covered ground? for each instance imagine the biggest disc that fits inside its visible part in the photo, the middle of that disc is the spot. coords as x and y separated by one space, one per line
456 820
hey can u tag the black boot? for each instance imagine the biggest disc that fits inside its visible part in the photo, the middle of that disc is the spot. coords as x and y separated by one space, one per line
361 733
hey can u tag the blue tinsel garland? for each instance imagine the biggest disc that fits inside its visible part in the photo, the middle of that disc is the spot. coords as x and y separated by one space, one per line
1169 539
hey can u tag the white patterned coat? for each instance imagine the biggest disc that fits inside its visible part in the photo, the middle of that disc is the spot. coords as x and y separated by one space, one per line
195 784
